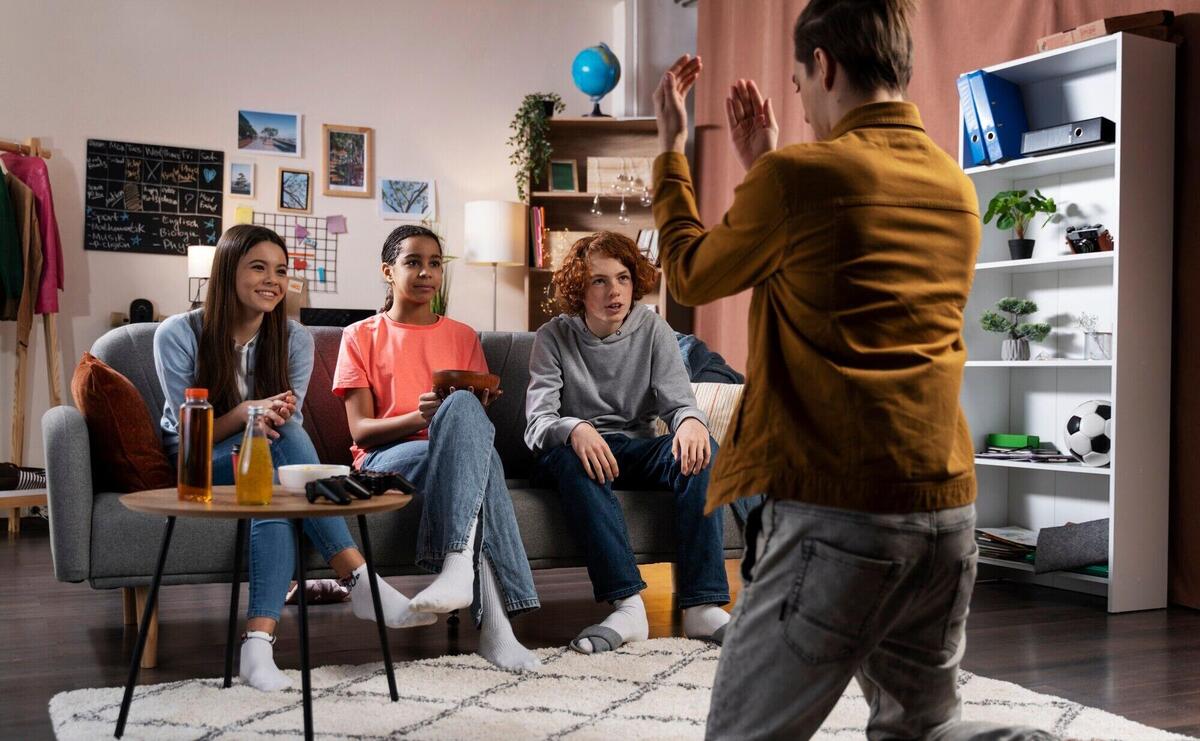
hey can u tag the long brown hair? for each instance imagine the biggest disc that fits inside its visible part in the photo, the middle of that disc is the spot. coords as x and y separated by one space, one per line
570 280
217 361
870 40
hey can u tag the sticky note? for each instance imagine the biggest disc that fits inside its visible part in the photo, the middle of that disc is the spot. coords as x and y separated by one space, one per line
244 215
321 274
310 242
301 232
295 285
336 224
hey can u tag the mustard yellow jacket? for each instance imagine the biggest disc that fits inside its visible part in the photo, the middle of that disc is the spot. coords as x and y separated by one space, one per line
861 251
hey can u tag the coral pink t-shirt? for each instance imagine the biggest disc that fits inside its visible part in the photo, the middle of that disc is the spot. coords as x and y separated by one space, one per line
396 361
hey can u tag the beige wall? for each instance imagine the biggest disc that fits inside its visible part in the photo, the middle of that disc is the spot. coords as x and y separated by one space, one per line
438 81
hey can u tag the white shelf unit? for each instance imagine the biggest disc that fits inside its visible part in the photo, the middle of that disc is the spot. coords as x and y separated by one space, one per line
1127 187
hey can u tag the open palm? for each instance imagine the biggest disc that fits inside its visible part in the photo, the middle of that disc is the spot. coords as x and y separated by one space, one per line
752 126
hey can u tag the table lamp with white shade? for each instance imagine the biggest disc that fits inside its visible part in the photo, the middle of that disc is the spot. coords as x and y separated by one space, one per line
199 267
495 235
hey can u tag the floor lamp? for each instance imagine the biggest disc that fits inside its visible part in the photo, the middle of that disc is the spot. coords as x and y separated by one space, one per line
495 235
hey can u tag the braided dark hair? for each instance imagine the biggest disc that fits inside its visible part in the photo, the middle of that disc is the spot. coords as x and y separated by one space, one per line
391 250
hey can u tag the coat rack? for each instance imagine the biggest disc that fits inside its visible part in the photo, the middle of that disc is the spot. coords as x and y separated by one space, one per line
31 147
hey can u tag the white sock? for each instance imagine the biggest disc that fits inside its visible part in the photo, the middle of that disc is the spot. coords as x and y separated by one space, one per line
257 666
629 620
497 644
397 612
702 621
453 589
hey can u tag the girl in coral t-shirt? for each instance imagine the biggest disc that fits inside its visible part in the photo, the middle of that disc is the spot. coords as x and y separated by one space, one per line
443 445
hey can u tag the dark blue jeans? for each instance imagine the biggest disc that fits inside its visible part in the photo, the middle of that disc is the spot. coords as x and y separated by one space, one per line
595 518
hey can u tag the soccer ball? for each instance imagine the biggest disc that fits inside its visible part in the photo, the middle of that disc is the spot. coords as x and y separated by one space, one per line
1089 433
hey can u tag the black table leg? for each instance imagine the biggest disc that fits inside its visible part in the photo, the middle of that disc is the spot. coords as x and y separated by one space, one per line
147 613
383 641
234 593
305 682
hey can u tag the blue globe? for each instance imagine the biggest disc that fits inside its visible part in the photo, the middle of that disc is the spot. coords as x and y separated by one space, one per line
596 72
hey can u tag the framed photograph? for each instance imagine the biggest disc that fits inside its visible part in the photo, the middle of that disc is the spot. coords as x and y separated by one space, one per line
241 179
349 157
407 200
295 191
260 132
564 176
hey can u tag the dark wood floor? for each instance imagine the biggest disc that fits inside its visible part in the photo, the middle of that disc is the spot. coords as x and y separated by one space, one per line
57 637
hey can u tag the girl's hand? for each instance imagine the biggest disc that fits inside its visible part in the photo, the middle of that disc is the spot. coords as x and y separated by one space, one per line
487 397
278 409
428 404
692 447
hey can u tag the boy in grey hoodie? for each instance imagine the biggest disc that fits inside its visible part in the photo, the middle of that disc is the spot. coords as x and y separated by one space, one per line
599 375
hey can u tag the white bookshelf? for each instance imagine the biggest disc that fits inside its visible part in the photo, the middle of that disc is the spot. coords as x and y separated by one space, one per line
1127 187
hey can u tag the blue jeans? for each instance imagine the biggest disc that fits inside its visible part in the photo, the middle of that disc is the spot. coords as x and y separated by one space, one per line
595 517
459 476
272 547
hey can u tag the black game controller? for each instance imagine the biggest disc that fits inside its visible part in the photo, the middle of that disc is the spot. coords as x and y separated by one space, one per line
379 482
329 489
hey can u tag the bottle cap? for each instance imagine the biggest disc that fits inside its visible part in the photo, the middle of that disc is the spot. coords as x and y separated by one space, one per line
195 394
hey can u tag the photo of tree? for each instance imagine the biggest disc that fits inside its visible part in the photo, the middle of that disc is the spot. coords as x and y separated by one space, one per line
295 190
407 199
348 156
270 133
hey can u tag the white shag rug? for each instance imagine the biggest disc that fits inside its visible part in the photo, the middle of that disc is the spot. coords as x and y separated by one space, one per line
655 689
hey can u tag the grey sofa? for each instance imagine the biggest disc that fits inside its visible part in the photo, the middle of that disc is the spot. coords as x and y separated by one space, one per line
95 539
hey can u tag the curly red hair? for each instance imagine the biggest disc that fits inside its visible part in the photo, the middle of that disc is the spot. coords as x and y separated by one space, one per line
571 278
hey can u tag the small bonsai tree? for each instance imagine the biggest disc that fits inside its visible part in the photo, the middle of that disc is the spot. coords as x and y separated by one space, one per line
531 148
1016 208
1014 327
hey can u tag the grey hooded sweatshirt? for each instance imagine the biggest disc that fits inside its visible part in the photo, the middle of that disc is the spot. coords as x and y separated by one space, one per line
617 384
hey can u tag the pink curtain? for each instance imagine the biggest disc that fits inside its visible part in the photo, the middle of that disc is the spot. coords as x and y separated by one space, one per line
753 40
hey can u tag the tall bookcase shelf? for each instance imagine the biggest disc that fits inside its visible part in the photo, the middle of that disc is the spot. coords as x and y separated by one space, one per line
577 139
1127 187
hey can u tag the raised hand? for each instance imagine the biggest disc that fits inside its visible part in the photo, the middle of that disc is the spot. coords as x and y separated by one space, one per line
752 126
669 106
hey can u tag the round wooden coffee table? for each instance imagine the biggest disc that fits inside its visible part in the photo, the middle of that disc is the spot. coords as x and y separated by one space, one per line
284 504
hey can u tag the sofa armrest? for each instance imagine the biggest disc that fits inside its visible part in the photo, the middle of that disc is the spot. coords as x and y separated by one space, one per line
69 492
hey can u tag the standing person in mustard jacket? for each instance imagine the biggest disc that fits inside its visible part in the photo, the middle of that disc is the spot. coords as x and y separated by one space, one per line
860 249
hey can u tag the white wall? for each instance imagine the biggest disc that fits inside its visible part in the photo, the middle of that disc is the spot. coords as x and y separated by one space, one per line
438 81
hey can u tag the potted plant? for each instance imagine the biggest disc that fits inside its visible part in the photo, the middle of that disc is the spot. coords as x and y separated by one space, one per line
1015 209
531 148
1016 345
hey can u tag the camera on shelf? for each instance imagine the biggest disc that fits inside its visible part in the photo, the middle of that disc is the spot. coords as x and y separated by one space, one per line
1089 238
358 485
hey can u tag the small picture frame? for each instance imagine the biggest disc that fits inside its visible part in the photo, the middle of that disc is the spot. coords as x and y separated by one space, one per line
410 199
241 179
295 191
563 176
264 132
349 161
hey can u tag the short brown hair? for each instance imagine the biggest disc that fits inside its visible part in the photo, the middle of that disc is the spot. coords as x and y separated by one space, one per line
869 39
570 280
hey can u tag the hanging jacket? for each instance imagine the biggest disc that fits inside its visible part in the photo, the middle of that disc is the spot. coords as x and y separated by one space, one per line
32 171
30 245
11 270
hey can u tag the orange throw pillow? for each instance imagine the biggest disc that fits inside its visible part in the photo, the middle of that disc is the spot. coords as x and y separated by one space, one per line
126 453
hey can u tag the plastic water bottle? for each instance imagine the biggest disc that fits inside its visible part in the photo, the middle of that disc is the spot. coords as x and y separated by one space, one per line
195 446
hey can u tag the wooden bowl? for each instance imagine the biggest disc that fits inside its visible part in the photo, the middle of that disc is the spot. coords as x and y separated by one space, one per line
464 380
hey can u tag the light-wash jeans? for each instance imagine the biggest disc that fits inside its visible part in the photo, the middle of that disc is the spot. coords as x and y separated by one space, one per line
459 476
272 542
836 594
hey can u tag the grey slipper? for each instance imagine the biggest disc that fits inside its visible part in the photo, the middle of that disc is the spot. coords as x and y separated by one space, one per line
602 638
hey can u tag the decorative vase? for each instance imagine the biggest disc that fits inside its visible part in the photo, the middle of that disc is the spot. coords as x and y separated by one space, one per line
1015 350
1097 345
1020 249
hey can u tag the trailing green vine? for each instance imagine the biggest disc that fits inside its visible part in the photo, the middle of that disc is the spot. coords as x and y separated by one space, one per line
531 147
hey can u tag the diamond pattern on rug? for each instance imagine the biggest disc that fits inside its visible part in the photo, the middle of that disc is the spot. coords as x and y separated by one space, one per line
652 689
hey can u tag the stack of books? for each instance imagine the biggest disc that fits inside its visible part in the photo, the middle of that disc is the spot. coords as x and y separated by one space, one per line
647 242
1047 454
537 236
1010 543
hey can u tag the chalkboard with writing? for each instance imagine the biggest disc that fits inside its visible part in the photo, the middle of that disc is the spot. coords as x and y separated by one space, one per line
150 198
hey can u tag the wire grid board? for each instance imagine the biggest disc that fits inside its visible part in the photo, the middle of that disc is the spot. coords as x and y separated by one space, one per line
313 256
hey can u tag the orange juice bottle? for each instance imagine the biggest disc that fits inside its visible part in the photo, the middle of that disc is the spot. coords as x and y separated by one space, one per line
255 474
195 446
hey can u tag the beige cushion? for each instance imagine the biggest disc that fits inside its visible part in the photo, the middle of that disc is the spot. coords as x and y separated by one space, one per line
717 401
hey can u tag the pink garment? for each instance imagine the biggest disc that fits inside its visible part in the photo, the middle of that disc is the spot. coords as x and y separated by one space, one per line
397 361
32 171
